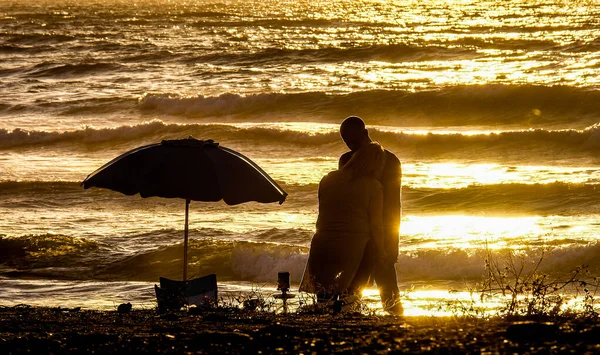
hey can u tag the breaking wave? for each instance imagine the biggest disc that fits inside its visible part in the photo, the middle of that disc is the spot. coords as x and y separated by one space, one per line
233 260
475 106
36 39
503 199
519 144
394 53
549 199
479 105
77 258
88 135
43 70
455 264
45 251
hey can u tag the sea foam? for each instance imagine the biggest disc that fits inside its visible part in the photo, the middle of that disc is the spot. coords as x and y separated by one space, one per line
259 262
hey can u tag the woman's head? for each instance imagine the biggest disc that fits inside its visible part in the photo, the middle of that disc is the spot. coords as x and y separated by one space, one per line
367 161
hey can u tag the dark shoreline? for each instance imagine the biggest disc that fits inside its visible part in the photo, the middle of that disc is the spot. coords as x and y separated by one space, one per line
38 330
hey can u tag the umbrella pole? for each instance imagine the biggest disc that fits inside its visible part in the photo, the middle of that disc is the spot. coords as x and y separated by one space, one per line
185 240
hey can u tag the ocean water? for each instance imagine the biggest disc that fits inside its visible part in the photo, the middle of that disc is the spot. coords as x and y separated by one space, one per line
493 108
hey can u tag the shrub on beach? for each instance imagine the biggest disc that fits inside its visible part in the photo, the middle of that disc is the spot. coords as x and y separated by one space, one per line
516 285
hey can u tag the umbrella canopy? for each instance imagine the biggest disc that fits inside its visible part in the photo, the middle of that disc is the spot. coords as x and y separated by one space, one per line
191 169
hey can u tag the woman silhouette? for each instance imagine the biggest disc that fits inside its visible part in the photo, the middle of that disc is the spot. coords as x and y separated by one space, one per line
350 214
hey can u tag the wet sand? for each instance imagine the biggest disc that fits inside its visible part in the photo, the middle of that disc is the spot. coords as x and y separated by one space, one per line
233 331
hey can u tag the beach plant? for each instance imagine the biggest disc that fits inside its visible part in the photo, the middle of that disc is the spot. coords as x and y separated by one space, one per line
471 308
255 300
260 299
306 303
589 290
516 277
347 303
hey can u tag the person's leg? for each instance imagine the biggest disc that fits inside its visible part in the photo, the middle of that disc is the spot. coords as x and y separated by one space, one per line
324 297
387 283
365 269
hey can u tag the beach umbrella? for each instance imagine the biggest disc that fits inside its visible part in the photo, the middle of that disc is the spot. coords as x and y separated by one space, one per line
190 169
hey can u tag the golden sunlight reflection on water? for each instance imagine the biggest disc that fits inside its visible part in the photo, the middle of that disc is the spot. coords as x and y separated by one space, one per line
433 302
446 175
309 170
107 295
466 232
444 303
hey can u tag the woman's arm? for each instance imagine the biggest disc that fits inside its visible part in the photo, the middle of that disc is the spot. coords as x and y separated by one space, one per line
392 208
376 217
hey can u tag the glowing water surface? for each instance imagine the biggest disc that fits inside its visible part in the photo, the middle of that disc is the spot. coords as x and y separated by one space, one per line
426 301
57 166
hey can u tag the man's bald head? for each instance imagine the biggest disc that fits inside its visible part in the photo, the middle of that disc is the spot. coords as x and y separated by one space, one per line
354 133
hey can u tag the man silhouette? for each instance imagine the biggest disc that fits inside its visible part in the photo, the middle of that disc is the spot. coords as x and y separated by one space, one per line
383 271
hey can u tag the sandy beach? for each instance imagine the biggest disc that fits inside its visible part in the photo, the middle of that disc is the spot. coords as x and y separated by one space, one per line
25 329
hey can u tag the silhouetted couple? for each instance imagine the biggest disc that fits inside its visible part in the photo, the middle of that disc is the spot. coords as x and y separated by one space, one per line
356 239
